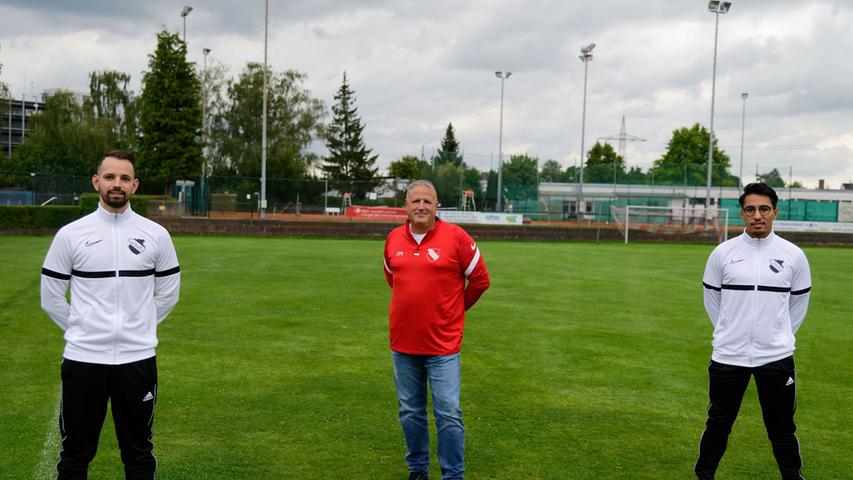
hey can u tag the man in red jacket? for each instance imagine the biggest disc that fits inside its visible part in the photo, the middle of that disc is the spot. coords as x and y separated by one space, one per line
427 263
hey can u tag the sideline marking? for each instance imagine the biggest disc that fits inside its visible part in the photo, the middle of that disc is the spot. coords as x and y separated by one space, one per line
46 468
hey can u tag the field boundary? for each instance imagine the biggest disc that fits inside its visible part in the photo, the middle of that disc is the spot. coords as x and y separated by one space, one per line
317 226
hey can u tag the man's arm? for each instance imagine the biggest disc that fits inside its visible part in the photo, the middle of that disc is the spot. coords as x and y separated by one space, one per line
712 283
55 275
389 274
475 270
801 286
167 279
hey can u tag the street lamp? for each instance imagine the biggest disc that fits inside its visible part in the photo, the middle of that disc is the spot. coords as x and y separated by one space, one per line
742 129
586 57
717 7
503 76
184 12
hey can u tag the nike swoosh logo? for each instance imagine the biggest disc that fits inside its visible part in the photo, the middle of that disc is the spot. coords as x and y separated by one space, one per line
731 262
89 244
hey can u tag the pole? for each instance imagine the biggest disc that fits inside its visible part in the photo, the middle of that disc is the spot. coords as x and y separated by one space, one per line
711 133
583 136
204 137
263 212
500 148
742 129
10 125
23 116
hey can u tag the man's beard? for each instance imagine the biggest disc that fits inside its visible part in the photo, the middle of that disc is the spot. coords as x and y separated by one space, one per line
115 202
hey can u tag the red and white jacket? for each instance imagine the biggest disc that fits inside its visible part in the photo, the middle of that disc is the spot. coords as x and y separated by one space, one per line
429 295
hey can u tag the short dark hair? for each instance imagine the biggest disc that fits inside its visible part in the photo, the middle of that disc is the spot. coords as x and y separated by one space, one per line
119 154
759 189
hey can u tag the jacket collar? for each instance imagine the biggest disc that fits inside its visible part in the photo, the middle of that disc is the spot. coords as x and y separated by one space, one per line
115 218
431 229
758 242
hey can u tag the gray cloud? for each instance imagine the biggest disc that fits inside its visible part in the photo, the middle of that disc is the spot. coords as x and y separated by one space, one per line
416 66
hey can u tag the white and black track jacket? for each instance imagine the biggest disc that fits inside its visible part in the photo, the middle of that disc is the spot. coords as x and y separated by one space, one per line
124 278
756 295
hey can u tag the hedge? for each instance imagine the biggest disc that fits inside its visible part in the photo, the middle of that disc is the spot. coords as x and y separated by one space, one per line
139 203
55 216
33 216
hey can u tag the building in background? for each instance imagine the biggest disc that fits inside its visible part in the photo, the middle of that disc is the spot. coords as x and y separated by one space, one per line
15 122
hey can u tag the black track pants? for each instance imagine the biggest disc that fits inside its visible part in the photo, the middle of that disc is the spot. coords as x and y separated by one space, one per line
776 387
131 390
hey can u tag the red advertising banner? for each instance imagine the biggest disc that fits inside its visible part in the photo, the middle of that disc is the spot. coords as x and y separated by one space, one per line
390 213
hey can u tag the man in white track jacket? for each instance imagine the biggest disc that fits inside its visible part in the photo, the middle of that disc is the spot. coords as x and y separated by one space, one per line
124 278
756 294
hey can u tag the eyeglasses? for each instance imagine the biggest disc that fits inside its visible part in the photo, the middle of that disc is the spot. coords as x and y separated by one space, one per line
764 210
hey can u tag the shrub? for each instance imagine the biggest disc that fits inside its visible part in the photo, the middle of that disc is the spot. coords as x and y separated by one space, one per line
31 216
139 203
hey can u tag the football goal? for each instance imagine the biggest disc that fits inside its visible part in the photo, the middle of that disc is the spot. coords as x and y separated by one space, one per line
670 222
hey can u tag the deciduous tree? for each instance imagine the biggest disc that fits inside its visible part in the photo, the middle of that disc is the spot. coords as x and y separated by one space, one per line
686 159
521 178
409 167
110 99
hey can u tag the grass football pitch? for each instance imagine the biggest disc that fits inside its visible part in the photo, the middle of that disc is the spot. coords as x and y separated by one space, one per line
583 361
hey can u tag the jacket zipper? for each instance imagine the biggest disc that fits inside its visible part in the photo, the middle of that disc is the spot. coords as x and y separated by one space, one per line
754 316
117 316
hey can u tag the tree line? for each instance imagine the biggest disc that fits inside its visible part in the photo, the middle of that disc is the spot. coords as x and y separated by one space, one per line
173 140
188 122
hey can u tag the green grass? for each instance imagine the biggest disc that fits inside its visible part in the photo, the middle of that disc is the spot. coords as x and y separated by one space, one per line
583 361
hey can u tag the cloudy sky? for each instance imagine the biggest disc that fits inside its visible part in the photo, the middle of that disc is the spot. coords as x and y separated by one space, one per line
416 65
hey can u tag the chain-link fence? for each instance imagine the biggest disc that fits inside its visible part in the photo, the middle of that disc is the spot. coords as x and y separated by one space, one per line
221 196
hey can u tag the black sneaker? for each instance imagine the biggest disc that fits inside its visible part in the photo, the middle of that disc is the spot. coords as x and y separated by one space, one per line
418 476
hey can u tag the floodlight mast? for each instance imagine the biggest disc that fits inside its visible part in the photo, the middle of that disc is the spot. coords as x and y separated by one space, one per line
744 96
586 57
262 211
184 12
503 76
716 7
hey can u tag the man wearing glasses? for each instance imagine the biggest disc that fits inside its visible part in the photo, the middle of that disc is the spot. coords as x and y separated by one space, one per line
756 294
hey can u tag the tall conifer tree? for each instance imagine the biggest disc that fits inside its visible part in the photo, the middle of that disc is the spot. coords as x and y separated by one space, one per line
170 115
349 165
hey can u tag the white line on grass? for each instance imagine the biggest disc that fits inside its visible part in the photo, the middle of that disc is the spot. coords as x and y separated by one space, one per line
46 468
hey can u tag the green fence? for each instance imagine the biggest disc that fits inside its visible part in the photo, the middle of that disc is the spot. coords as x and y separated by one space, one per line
793 210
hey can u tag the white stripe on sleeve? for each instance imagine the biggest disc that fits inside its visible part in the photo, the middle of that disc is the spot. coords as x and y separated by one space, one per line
387 268
473 263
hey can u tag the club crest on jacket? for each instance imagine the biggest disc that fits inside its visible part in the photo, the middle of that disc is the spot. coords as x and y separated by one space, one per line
136 245
776 265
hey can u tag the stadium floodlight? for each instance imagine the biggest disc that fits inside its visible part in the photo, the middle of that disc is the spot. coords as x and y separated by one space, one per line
586 57
503 76
717 7
184 12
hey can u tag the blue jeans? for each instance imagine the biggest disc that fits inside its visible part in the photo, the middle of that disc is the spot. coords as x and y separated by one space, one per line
411 373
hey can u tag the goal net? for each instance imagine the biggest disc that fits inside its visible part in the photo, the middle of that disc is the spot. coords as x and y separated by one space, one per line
671 223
